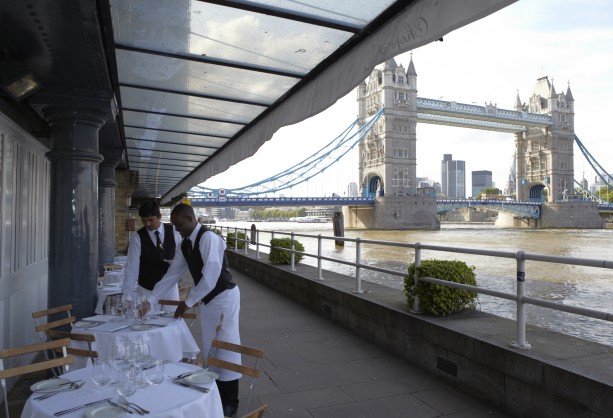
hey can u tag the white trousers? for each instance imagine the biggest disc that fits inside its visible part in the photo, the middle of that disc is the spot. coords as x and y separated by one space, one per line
219 320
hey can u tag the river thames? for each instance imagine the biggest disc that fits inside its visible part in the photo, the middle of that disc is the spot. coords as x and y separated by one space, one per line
586 287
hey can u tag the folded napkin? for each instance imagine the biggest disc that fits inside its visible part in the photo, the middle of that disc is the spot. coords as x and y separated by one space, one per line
162 321
98 318
110 326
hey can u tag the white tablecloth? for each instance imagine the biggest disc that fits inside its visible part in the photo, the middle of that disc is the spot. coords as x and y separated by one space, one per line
171 342
167 400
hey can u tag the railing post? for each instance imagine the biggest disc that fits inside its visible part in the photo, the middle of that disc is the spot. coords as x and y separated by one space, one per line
358 280
235 239
521 306
246 242
257 243
293 255
319 271
416 307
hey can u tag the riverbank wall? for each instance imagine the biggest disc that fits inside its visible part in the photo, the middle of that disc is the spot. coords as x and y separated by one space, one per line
561 376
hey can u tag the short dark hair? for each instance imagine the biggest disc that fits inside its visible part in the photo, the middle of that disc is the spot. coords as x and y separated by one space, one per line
149 209
183 209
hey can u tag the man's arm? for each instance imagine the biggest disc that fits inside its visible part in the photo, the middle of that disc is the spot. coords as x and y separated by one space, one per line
177 269
212 249
130 272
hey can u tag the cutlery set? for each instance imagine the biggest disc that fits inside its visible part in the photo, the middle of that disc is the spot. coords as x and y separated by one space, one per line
178 381
64 388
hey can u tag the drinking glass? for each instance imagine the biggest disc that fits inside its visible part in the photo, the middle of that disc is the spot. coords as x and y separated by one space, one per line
119 354
155 373
102 372
127 381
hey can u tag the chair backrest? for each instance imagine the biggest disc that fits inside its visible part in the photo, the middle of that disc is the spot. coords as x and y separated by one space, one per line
257 413
187 315
252 372
89 339
41 327
6 373
184 291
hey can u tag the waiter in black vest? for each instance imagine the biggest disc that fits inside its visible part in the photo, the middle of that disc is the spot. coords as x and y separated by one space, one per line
150 253
203 254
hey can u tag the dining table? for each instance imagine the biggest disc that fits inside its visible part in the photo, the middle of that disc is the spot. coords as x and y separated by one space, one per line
172 398
168 338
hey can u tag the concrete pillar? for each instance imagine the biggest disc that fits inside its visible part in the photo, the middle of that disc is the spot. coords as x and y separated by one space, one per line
127 181
106 205
73 208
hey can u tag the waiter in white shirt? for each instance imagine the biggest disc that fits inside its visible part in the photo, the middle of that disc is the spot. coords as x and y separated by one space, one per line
150 252
203 255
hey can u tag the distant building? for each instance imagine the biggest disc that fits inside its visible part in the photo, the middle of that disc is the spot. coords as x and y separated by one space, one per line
481 180
352 189
453 176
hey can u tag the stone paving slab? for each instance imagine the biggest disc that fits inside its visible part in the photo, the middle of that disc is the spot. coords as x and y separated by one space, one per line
317 369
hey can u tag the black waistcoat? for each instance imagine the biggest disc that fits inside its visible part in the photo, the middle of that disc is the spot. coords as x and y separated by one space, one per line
152 266
195 264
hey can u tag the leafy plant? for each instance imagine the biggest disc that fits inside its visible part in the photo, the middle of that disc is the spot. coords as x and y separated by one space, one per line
438 299
231 237
279 256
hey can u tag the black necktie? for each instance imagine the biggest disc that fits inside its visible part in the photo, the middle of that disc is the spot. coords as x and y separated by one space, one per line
186 248
158 241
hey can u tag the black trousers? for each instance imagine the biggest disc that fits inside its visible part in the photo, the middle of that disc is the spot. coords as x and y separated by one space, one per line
228 391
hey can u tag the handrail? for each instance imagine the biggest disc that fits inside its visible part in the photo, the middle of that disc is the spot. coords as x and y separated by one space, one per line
520 256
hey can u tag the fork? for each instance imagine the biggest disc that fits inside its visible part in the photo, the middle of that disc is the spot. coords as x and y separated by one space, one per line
139 409
72 386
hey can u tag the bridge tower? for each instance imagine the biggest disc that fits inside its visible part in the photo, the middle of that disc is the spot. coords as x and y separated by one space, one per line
544 156
387 156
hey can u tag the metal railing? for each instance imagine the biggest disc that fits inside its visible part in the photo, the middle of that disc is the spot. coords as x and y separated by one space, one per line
520 256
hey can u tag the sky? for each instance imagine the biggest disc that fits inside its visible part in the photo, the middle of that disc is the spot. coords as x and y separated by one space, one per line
490 60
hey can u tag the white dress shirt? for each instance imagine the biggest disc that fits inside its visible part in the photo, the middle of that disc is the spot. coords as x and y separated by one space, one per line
130 280
212 248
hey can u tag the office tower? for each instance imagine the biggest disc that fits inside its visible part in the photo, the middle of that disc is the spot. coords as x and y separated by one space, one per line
481 180
453 177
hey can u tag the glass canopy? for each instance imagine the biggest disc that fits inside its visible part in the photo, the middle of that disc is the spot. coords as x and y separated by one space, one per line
202 80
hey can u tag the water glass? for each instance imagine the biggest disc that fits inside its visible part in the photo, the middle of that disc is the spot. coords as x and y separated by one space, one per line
127 381
102 372
155 373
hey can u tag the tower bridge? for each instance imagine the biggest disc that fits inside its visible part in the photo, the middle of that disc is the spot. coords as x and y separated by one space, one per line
388 113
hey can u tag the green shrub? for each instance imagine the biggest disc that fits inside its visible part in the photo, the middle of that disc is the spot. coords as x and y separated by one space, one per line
438 299
278 256
241 240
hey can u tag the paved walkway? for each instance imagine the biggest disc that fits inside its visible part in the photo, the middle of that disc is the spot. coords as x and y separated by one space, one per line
314 368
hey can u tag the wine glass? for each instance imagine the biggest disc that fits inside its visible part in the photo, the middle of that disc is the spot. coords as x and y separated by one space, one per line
102 372
155 373
119 353
139 355
127 381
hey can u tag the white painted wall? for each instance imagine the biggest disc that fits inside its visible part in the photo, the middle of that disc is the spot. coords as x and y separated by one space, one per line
24 233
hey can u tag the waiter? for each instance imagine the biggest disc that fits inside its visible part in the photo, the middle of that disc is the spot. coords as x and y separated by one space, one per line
203 254
150 252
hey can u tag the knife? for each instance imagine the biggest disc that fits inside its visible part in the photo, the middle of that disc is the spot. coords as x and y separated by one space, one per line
188 385
125 408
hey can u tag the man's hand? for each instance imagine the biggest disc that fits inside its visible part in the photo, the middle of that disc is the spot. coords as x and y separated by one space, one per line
181 308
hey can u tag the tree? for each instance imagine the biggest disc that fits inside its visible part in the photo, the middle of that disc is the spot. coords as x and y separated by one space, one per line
490 191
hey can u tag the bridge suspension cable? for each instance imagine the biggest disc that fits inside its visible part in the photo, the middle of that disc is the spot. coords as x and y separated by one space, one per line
600 171
301 172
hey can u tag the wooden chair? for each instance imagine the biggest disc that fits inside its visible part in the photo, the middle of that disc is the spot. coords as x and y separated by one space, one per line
8 353
189 314
252 372
257 413
89 339
184 291
41 328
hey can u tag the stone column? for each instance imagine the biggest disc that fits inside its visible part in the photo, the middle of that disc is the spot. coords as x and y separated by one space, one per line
73 208
106 200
